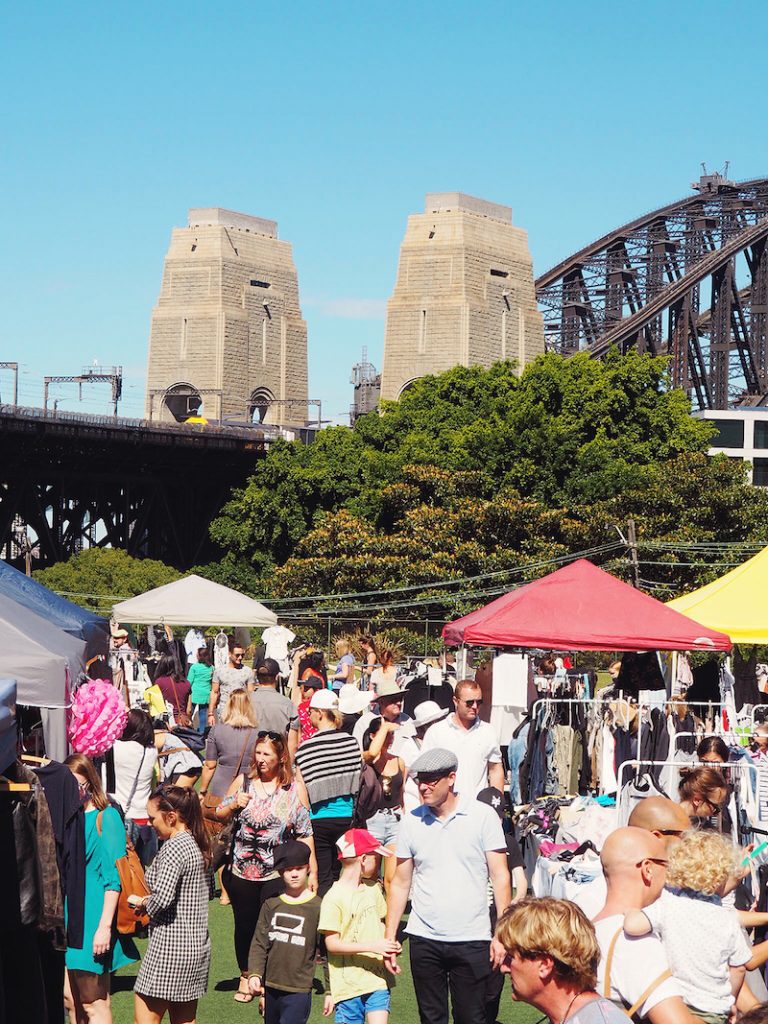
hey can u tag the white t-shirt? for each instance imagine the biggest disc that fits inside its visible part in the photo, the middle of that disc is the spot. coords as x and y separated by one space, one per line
193 641
133 763
475 748
277 639
636 963
701 940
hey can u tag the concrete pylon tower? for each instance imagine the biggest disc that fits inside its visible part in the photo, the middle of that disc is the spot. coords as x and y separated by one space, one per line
464 293
227 337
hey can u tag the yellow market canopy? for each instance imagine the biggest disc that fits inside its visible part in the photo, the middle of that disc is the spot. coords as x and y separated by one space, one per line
736 604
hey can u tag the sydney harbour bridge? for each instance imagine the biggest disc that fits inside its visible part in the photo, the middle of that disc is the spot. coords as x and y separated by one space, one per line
689 280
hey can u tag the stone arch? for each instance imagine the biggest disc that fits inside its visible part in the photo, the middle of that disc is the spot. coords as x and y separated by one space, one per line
183 400
259 403
408 384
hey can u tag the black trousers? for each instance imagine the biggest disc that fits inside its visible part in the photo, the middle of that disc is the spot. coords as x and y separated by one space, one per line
286 1007
463 968
326 831
247 899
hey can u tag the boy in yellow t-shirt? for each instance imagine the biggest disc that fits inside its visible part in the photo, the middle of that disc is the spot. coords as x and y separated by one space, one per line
352 919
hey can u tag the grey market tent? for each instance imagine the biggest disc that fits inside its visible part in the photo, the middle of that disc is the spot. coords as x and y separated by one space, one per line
45 662
194 601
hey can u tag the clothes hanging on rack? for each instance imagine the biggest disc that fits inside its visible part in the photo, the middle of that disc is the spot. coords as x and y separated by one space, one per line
745 688
31 905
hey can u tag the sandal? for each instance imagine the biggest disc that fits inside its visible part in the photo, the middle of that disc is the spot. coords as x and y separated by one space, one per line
243 997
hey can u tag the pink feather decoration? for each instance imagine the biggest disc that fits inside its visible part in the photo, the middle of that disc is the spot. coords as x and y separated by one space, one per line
98 718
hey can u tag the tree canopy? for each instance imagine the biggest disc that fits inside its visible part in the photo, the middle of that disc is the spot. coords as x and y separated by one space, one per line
99 577
474 481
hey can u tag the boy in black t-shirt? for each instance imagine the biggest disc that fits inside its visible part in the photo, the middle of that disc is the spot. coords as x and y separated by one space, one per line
281 963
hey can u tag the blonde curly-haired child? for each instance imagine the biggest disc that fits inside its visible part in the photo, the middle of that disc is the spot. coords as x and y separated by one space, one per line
704 943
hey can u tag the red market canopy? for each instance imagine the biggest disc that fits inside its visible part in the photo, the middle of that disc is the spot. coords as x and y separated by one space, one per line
582 608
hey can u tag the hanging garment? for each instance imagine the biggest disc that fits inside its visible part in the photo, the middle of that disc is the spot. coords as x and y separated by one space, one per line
745 688
633 792
68 822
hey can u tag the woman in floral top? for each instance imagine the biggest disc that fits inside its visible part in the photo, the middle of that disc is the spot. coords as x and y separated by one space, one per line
271 812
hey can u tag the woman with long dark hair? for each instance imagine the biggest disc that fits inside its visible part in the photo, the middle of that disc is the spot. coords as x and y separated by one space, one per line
86 989
175 689
174 972
271 811
135 759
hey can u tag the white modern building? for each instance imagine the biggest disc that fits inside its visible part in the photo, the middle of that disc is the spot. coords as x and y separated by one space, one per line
742 434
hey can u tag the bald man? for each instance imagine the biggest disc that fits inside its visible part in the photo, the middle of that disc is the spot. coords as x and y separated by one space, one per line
636 975
664 818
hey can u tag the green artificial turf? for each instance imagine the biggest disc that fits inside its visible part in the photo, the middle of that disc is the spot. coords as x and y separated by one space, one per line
219 1006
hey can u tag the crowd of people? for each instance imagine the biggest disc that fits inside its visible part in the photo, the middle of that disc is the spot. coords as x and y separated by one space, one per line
326 817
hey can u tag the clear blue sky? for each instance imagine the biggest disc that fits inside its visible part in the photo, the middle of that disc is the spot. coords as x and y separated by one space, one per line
335 119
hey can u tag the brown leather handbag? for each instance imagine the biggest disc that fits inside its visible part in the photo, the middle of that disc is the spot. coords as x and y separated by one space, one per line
181 717
213 824
132 883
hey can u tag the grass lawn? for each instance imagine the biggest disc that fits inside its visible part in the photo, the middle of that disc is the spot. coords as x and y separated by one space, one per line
219 1006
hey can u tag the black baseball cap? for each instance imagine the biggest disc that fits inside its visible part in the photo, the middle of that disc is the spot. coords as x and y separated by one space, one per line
292 854
268 667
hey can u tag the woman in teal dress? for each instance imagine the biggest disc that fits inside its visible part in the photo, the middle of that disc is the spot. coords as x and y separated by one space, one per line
86 989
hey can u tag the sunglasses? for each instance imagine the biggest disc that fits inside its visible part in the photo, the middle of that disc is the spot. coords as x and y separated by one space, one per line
430 780
473 702
268 734
669 831
238 657
653 860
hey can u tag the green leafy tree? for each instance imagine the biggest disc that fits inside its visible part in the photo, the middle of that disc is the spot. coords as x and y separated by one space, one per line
99 577
565 433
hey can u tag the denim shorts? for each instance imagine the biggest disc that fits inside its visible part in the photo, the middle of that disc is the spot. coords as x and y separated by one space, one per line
385 825
353 1011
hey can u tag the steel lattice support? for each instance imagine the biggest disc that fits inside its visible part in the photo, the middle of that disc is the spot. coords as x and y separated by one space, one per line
641 286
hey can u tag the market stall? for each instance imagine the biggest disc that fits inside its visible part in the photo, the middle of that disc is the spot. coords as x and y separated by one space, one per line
582 608
736 604
194 601
45 662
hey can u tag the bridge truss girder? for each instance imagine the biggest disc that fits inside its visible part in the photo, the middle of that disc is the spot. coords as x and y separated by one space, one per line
641 286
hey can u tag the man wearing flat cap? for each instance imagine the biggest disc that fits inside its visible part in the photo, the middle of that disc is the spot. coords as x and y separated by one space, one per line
447 850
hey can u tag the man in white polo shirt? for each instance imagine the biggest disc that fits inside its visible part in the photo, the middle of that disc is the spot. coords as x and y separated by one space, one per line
473 740
447 850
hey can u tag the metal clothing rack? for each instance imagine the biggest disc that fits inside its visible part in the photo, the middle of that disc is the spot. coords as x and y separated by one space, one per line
637 763
649 705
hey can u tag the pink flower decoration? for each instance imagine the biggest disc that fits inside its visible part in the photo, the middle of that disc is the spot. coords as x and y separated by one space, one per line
98 718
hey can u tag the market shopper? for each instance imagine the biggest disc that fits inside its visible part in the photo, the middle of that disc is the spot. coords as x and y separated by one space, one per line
200 676
473 740
389 700
328 766
275 713
345 667
175 689
391 772
234 676
446 852
135 760
552 956
703 796
270 809
408 745
87 979
174 972
634 972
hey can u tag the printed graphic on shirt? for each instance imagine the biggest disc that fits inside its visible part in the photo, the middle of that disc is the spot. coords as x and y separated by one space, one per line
287 928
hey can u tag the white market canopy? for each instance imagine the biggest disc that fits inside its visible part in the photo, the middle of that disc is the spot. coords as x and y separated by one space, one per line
194 601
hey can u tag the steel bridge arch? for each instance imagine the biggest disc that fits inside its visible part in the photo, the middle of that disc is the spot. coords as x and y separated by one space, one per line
641 285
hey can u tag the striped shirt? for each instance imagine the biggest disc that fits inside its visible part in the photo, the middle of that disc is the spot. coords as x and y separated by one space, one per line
330 765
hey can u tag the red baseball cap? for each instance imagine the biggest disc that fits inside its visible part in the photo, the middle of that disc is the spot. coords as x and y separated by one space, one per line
358 841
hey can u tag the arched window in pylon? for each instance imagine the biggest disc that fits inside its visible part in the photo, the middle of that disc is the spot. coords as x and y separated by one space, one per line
407 386
261 399
183 400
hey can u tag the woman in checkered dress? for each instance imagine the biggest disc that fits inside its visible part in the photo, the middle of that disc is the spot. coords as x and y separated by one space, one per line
174 972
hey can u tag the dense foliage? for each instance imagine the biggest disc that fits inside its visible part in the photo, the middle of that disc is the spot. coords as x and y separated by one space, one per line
99 577
477 472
